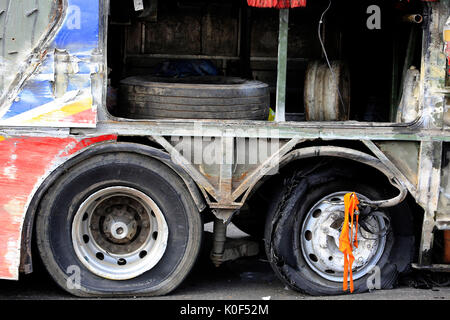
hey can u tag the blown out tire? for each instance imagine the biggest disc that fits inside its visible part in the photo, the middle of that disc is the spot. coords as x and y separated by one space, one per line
149 179
284 235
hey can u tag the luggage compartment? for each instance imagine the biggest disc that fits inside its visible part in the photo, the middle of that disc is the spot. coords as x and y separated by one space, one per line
377 45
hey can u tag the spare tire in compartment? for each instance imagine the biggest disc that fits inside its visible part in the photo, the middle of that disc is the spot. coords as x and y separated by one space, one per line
147 97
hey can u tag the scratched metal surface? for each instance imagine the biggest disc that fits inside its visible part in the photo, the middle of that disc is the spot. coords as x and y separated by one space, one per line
26 162
46 52
56 90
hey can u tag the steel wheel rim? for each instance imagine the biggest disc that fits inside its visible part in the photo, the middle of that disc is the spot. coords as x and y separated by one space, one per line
319 240
119 233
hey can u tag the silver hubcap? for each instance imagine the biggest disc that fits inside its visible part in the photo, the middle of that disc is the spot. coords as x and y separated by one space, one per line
119 233
319 240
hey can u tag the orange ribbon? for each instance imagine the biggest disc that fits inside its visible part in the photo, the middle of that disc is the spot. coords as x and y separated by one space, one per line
345 240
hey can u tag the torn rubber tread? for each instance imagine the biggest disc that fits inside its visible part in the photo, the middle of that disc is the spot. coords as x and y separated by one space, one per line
284 252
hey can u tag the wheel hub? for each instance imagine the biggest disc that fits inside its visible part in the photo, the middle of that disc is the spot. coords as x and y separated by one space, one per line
320 240
119 233
120 225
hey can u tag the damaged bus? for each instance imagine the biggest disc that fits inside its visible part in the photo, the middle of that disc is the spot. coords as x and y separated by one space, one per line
125 126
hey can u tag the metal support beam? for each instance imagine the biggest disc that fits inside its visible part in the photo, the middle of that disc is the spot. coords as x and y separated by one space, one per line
428 195
220 237
178 158
226 170
385 160
282 66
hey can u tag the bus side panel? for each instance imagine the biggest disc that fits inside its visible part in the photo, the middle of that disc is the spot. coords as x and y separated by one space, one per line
56 89
24 164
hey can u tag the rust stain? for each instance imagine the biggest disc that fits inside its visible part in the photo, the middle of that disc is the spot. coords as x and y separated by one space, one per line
243 176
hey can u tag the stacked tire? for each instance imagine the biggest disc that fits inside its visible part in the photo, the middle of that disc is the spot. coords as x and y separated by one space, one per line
210 97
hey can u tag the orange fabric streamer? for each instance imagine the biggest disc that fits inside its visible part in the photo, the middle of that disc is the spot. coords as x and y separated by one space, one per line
345 240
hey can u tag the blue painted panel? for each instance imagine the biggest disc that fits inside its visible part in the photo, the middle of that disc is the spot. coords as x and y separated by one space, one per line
79 36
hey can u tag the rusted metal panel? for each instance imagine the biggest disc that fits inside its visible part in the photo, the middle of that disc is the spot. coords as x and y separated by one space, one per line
403 155
433 69
443 214
284 130
213 161
225 188
25 162
428 194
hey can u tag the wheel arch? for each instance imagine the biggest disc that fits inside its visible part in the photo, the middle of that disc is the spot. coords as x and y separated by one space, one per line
352 155
299 188
99 149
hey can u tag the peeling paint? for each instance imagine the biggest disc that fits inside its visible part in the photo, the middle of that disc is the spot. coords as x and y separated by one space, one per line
66 90
61 63
33 159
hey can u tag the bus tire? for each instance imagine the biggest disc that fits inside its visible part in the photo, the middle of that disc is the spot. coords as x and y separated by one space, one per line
210 97
293 234
118 225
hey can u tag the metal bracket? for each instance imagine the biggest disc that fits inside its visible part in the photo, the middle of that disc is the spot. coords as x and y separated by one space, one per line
228 192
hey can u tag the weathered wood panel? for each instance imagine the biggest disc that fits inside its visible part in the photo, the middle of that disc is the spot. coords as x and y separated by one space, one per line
220 30
175 33
134 38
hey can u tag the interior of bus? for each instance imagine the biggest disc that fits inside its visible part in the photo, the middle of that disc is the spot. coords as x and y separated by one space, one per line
359 57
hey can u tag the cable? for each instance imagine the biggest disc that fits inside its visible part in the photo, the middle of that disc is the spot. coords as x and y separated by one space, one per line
324 50
366 227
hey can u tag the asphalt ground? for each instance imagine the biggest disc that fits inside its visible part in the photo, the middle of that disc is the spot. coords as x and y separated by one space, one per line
243 279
